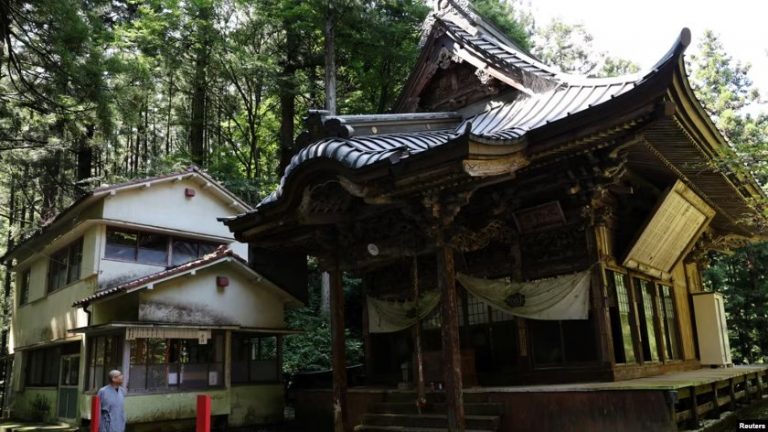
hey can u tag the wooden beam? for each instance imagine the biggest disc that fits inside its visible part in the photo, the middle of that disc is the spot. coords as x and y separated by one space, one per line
338 353
450 336
421 398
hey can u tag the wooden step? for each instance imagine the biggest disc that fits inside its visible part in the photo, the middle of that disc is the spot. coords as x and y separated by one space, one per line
476 408
434 397
478 422
367 428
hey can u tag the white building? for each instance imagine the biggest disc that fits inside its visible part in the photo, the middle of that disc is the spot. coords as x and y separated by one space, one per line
142 277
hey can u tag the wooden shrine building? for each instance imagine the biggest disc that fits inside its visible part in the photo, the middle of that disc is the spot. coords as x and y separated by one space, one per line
514 225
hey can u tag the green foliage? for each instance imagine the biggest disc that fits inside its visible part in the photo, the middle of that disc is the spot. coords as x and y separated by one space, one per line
569 47
725 89
743 278
509 19
40 407
311 350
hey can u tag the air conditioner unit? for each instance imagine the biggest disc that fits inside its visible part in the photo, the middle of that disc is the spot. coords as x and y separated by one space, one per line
711 328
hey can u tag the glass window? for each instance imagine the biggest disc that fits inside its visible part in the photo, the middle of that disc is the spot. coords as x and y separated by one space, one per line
206 248
620 318
105 353
669 322
75 261
184 251
70 370
42 368
121 245
23 287
153 249
477 310
254 358
647 312
176 364
64 266
499 316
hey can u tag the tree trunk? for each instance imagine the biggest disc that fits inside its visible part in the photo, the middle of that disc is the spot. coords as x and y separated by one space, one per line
200 87
5 28
85 154
287 100
169 115
330 61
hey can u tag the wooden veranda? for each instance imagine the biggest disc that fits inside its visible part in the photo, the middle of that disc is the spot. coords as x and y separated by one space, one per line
660 403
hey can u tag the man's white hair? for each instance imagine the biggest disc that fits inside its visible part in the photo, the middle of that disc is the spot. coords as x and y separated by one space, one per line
114 374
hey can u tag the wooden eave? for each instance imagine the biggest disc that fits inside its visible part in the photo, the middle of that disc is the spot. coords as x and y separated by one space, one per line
386 180
464 51
687 143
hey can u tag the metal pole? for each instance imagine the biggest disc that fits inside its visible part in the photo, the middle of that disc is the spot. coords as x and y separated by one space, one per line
203 413
95 413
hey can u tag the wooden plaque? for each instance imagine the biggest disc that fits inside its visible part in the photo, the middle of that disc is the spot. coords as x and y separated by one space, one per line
541 217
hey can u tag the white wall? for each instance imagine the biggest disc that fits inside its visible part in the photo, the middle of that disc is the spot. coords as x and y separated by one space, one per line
197 300
164 205
47 317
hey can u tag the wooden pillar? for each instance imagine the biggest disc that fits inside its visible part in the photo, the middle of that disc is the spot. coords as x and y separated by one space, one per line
418 366
694 422
279 355
715 402
338 354
450 336
732 393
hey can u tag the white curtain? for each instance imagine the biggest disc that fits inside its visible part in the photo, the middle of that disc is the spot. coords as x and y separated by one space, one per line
558 298
386 316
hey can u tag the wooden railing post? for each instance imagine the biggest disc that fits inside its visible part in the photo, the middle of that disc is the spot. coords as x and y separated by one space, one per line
95 413
203 413
695 423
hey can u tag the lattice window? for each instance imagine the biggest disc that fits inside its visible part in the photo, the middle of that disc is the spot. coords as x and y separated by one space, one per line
477 310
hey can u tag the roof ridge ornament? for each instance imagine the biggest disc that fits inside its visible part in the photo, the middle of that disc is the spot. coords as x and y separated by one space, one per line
440 9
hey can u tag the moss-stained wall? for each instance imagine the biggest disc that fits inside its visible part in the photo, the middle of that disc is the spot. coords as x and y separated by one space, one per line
256 404
22 403
197 300
245 405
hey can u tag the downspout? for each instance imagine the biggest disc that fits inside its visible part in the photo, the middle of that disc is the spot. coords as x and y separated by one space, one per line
87 312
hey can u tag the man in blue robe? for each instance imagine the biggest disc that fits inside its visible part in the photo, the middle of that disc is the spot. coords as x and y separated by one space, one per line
112 397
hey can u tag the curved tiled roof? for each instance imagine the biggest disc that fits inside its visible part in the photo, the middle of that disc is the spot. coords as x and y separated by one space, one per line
512 120
555 96
357 152
497 48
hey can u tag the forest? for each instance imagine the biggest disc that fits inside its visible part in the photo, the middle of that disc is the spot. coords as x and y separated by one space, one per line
97 92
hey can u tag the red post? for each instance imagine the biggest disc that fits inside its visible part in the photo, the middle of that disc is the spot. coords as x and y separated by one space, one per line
95 413
203 413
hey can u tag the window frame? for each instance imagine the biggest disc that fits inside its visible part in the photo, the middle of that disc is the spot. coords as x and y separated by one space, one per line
50 362
168 239
660 317
237 337
614 307
638 284
64 256
91 382
25 277
174 346
672 351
